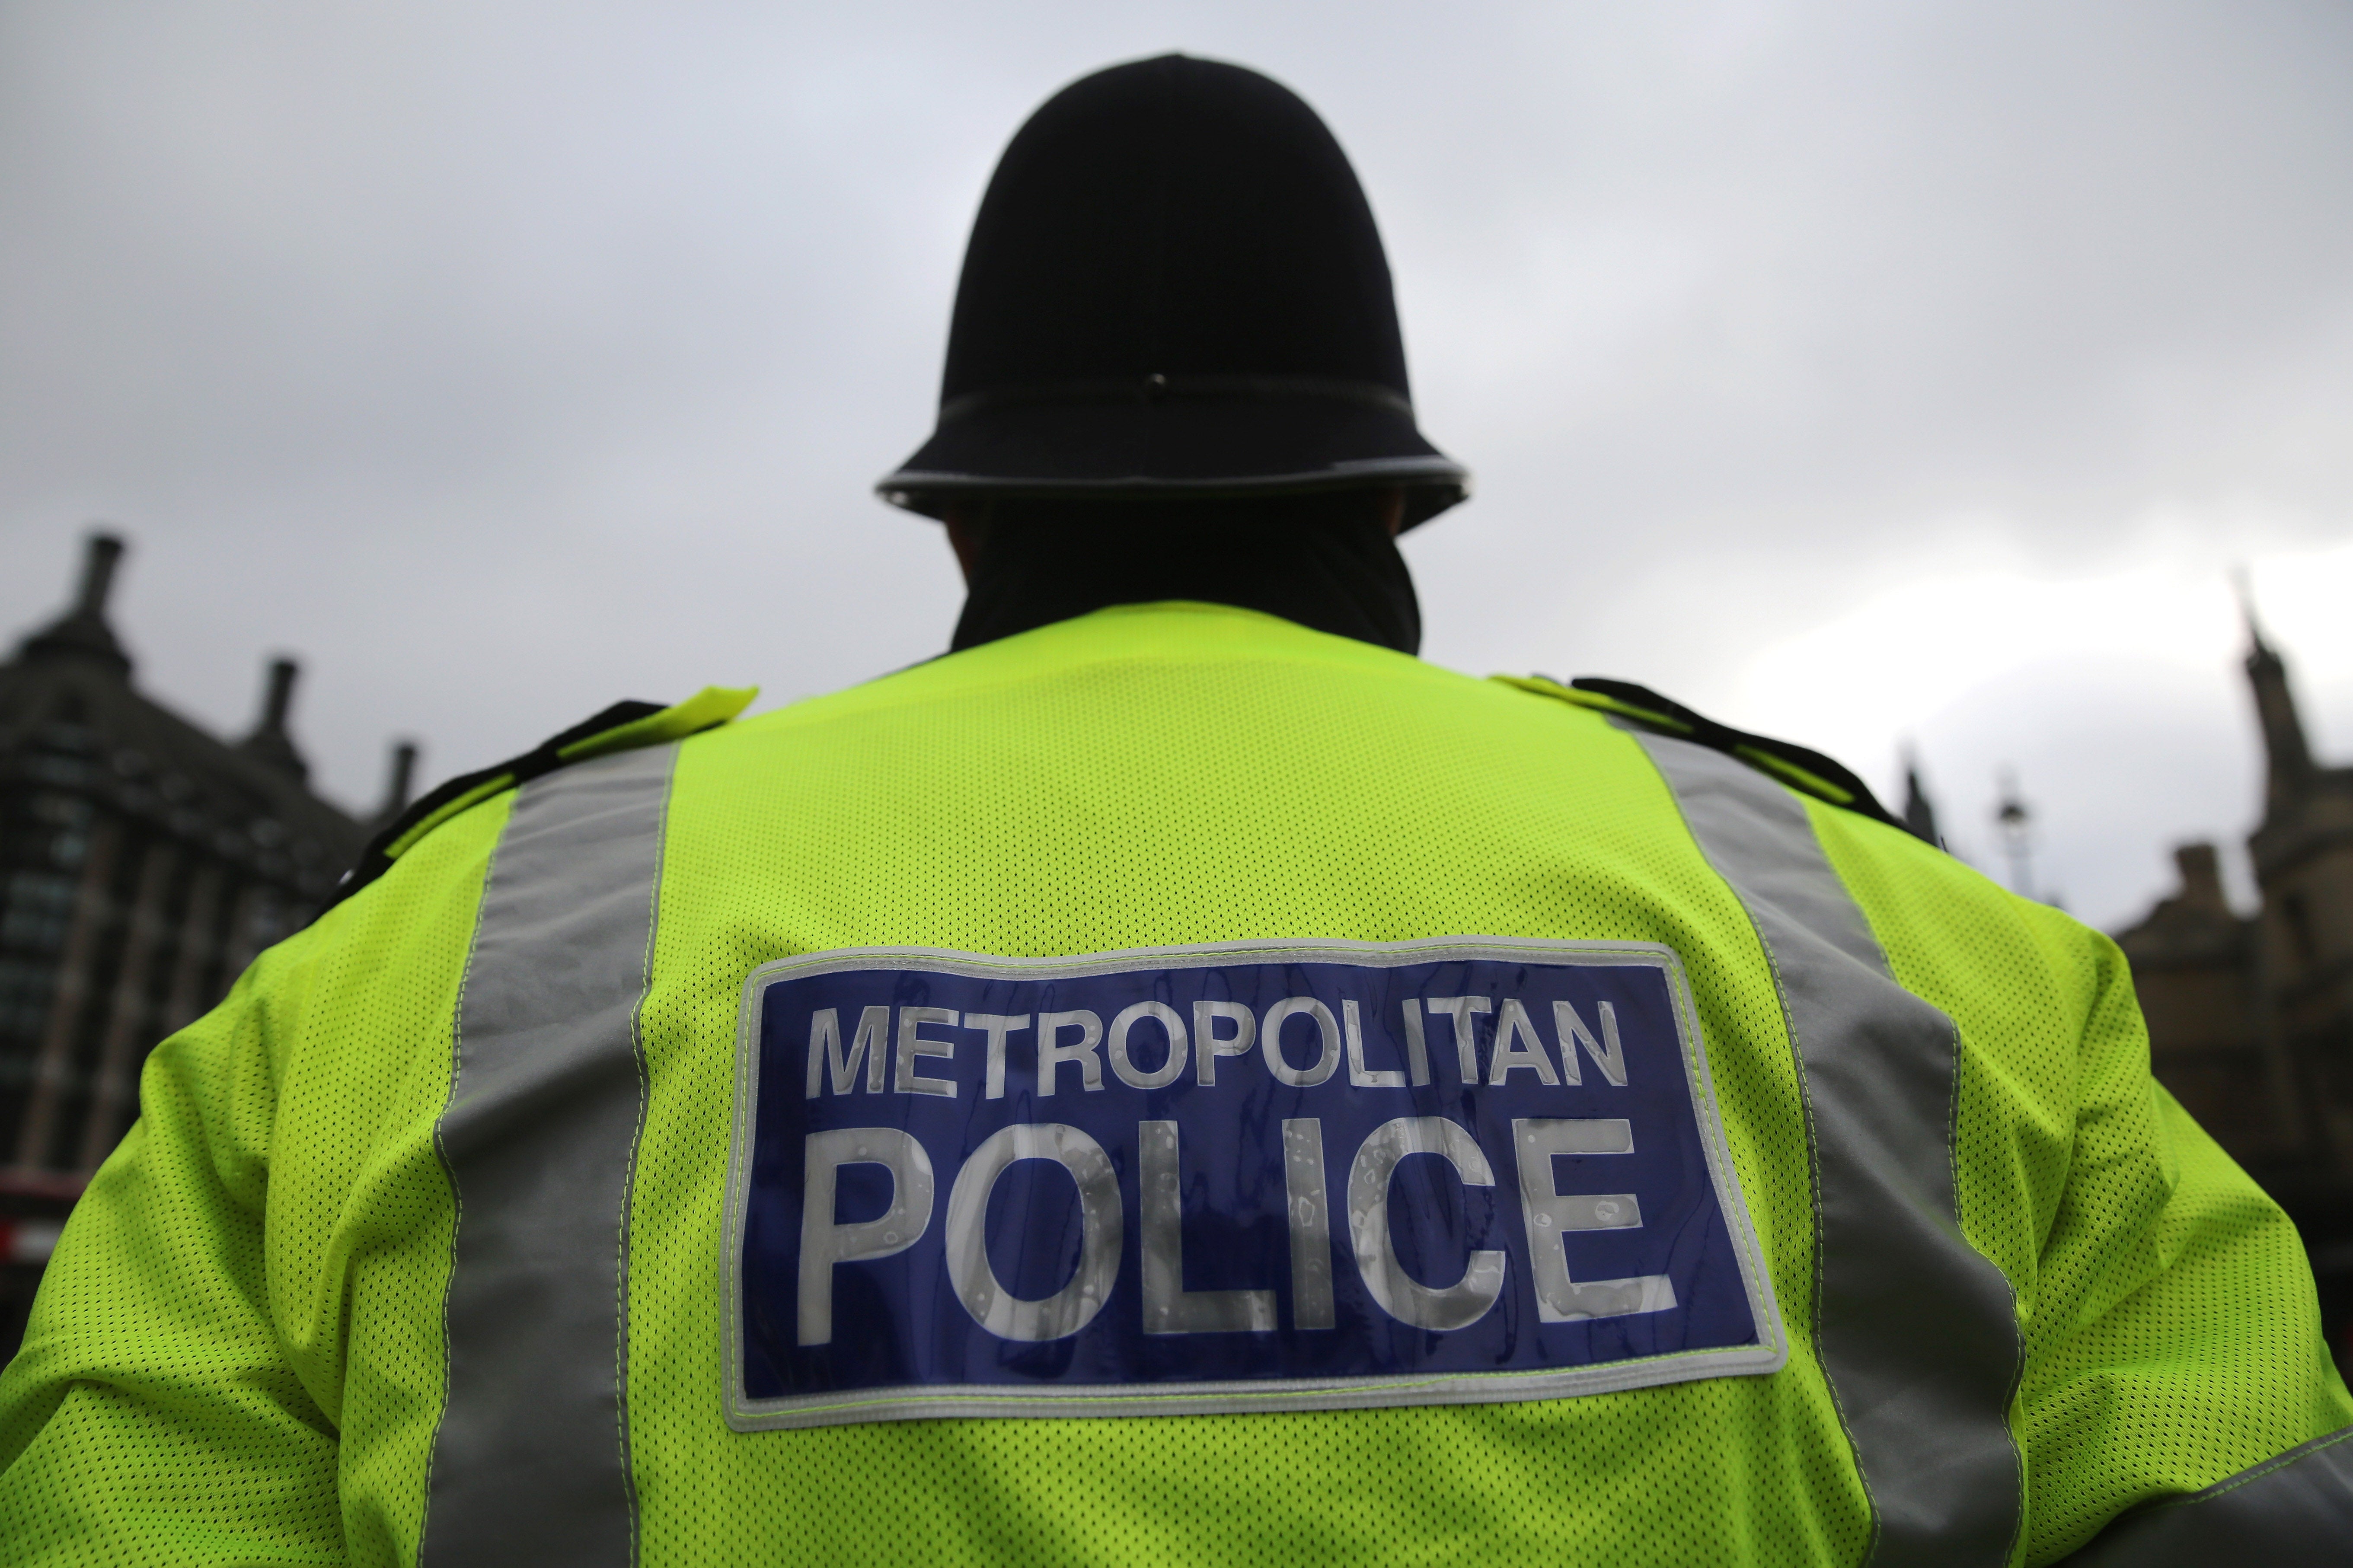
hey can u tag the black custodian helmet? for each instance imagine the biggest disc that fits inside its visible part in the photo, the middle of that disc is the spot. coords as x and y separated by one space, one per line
1175 288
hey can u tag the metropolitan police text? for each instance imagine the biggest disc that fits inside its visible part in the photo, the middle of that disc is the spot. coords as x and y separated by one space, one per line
1077 1038
1148 1046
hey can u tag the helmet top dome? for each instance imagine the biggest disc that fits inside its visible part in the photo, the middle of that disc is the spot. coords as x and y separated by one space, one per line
1175 288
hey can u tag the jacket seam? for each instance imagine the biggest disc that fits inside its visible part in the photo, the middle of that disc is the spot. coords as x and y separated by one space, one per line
449 1174
2229 1484
1813 1137
629 1167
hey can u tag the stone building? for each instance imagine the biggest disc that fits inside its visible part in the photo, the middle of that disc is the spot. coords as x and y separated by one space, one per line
144 862
2251 1016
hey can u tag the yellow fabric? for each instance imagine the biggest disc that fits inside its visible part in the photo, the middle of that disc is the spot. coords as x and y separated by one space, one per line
711 706
1185 773
2172 1334
238 1355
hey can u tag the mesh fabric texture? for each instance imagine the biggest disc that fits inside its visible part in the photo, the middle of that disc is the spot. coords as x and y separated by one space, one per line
1173 774
2172 1334
208 1377
238 1356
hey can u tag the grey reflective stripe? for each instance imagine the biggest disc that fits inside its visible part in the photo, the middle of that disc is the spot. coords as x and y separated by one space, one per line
1915 1330
2291 1511
531 1463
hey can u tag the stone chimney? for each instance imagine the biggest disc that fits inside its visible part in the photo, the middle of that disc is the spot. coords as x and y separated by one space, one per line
2201 879
81 633
1919 811
398 783
269 741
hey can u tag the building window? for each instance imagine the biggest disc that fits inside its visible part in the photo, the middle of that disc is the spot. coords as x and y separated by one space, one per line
2298 915
23 1007
38 905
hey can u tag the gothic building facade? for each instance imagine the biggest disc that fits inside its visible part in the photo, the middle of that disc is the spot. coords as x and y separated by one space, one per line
2251 1016
144 862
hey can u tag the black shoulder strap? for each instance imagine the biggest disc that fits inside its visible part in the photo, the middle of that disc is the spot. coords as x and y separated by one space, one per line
1801 768
447 800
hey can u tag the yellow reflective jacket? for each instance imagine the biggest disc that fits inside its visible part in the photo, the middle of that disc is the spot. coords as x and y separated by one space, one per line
443 1238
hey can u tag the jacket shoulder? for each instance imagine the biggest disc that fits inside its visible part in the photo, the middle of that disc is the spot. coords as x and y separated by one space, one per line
623 727
1806 771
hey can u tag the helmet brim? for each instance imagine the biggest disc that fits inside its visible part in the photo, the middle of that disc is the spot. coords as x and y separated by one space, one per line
1179 447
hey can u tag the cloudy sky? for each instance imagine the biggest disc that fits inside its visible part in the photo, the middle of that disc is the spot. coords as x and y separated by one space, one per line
1868 375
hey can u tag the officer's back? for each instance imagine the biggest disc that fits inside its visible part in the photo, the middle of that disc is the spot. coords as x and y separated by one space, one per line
1178 1078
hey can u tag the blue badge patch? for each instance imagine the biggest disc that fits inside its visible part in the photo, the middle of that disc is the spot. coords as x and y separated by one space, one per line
1248 1176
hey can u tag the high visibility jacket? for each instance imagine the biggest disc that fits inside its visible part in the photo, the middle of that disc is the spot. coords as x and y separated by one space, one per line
1666 1167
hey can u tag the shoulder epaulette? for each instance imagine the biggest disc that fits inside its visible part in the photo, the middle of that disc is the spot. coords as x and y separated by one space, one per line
1804 770
623 727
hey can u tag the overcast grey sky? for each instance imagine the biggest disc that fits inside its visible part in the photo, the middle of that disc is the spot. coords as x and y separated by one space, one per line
1856 373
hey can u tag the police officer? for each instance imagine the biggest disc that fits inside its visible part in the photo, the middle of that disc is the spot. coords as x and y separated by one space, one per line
1178 1080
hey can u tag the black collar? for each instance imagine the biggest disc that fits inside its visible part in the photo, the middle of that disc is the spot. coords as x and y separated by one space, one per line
1345 577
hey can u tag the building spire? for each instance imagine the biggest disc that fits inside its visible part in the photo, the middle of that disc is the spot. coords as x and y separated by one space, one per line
1919 811
81 633
2287 752
2016 820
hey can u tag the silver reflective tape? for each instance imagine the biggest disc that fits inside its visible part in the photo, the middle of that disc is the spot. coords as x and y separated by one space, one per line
1035 1319
1916 1330
2294 1510
825 1242
1404 1297
1310 1209
1551 1215
1168 1306
531 1463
